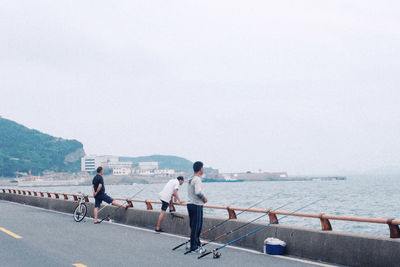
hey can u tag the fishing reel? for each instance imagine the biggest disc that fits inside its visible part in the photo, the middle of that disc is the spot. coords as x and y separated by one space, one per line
216 254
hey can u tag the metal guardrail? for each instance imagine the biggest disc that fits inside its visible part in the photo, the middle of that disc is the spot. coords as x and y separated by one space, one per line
324 218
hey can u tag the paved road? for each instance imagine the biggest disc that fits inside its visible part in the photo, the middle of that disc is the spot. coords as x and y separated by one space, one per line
54 239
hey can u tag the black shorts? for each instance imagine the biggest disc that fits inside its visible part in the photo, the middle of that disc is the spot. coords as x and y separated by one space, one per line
101 198
164 206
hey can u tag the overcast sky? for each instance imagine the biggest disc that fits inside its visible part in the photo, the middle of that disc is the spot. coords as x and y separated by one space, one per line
300 86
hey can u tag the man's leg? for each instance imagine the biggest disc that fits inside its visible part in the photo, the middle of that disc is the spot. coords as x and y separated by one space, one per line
95 214
97 203
171 207
115 203
160 219
200 224
192 217
164 208
111 201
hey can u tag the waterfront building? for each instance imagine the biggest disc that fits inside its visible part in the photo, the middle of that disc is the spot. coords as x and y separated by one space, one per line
122 171
89 163
148 166
164 171
119 164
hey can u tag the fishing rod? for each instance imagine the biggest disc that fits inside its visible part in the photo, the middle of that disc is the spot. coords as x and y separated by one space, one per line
215 252
108 216
240 227
221 223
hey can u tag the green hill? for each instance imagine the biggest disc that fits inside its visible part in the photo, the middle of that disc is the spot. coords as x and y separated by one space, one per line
178 164
23 149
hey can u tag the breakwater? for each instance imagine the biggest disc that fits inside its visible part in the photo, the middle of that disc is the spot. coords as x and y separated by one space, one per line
335 247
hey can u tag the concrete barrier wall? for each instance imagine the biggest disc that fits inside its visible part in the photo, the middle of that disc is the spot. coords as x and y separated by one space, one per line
328 246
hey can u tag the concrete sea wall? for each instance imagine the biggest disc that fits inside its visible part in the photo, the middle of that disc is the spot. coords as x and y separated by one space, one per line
328 246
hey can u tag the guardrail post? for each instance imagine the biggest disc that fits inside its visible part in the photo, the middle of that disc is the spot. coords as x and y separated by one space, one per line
4 190
75 198
56 195
86 199
24 192
231 212
19 192
148 205
325 223
34 193
9 191
14 191
29 193
272 218
65 196
48 194
41 194
394 229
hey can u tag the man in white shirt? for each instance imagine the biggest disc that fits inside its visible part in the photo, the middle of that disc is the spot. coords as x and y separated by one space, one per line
170 190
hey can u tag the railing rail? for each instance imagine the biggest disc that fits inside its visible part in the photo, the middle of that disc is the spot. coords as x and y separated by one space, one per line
324 218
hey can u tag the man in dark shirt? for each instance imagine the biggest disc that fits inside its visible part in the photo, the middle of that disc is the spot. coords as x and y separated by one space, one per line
99 193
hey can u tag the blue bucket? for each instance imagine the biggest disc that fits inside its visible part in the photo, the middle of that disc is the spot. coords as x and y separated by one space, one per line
274 246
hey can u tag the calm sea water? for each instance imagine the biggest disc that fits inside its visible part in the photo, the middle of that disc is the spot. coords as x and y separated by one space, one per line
356 196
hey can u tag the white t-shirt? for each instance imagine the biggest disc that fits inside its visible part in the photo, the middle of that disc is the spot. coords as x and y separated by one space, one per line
168 190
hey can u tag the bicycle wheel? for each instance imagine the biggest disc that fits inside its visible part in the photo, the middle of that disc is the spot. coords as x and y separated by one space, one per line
80 212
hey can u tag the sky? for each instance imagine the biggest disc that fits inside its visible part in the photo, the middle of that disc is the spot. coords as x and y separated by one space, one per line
307 87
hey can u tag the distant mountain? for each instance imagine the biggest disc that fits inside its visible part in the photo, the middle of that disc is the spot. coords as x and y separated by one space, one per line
23 149
164 162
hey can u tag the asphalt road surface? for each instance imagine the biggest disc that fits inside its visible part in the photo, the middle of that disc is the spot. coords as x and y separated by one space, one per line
32 236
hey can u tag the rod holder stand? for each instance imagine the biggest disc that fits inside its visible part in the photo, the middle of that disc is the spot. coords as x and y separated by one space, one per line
325 223
272 218
231 212
148 205
394 229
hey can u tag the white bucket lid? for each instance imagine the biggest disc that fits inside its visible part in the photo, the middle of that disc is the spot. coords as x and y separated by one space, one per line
274 241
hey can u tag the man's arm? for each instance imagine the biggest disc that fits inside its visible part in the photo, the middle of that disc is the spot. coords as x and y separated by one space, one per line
199 191
175 194
98 190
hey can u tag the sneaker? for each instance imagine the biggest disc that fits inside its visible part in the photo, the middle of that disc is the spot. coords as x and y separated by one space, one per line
200 250
159 230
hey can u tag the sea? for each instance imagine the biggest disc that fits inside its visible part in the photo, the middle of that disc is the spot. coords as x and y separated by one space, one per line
374 197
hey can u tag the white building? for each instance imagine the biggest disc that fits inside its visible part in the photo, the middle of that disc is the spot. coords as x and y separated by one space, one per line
90 163
122 171
148 166
164 171
120 164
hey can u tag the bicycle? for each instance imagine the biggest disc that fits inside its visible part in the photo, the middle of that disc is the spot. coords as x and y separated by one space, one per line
81 208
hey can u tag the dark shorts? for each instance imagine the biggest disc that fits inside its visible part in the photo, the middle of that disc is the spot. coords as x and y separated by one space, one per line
104 197
164 206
